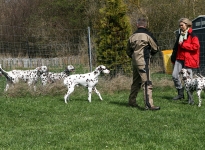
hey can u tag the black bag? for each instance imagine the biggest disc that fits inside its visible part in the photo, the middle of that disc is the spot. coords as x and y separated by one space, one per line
174 52
174 55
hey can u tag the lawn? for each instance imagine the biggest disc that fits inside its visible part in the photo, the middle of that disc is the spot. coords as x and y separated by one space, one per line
40 122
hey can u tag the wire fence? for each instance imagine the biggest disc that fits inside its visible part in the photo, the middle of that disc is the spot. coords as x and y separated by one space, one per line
32 47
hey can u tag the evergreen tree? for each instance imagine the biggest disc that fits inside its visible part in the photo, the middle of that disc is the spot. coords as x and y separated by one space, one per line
113 35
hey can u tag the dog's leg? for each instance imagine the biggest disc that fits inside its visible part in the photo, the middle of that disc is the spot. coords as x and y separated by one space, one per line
34 87
66 97
7 87
191 100
199 97
30 84
89 93
70 90
8 84
97 92
34 81
44 82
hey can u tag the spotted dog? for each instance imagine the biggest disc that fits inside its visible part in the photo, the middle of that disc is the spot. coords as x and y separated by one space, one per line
88 80
193 84
29 76
52 77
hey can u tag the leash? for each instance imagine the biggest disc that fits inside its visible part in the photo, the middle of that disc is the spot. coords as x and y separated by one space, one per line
147 83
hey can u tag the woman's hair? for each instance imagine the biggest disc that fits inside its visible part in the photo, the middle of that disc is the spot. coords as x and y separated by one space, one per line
186 21
142 21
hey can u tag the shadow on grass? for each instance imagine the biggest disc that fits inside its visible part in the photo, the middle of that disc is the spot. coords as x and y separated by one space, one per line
124 104
170 99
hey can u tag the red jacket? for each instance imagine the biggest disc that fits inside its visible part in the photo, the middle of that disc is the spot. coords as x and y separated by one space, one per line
189 51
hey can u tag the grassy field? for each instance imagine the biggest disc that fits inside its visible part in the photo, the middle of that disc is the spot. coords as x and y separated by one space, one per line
40 121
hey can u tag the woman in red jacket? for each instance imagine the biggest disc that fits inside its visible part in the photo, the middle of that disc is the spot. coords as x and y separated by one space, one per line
188 48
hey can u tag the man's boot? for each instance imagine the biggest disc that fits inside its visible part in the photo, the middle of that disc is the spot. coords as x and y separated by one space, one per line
180 94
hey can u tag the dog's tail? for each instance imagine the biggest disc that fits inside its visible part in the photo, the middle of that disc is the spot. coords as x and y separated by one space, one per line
5 74
198 74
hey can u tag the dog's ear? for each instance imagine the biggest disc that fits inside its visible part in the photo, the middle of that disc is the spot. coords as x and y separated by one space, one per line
38 73
38 68
188 72
100 68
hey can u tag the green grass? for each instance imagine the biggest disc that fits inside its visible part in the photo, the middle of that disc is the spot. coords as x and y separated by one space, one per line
46 122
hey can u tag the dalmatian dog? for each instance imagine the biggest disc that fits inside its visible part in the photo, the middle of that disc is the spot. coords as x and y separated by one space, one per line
29 76
88 80
52 77
196 83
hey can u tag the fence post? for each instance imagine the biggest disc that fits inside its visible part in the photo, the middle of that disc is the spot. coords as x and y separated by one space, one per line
89 50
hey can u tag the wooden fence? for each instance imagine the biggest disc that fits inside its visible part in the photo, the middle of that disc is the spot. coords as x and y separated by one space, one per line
26 63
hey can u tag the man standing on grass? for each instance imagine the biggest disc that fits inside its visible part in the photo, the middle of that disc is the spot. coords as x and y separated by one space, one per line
141 46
